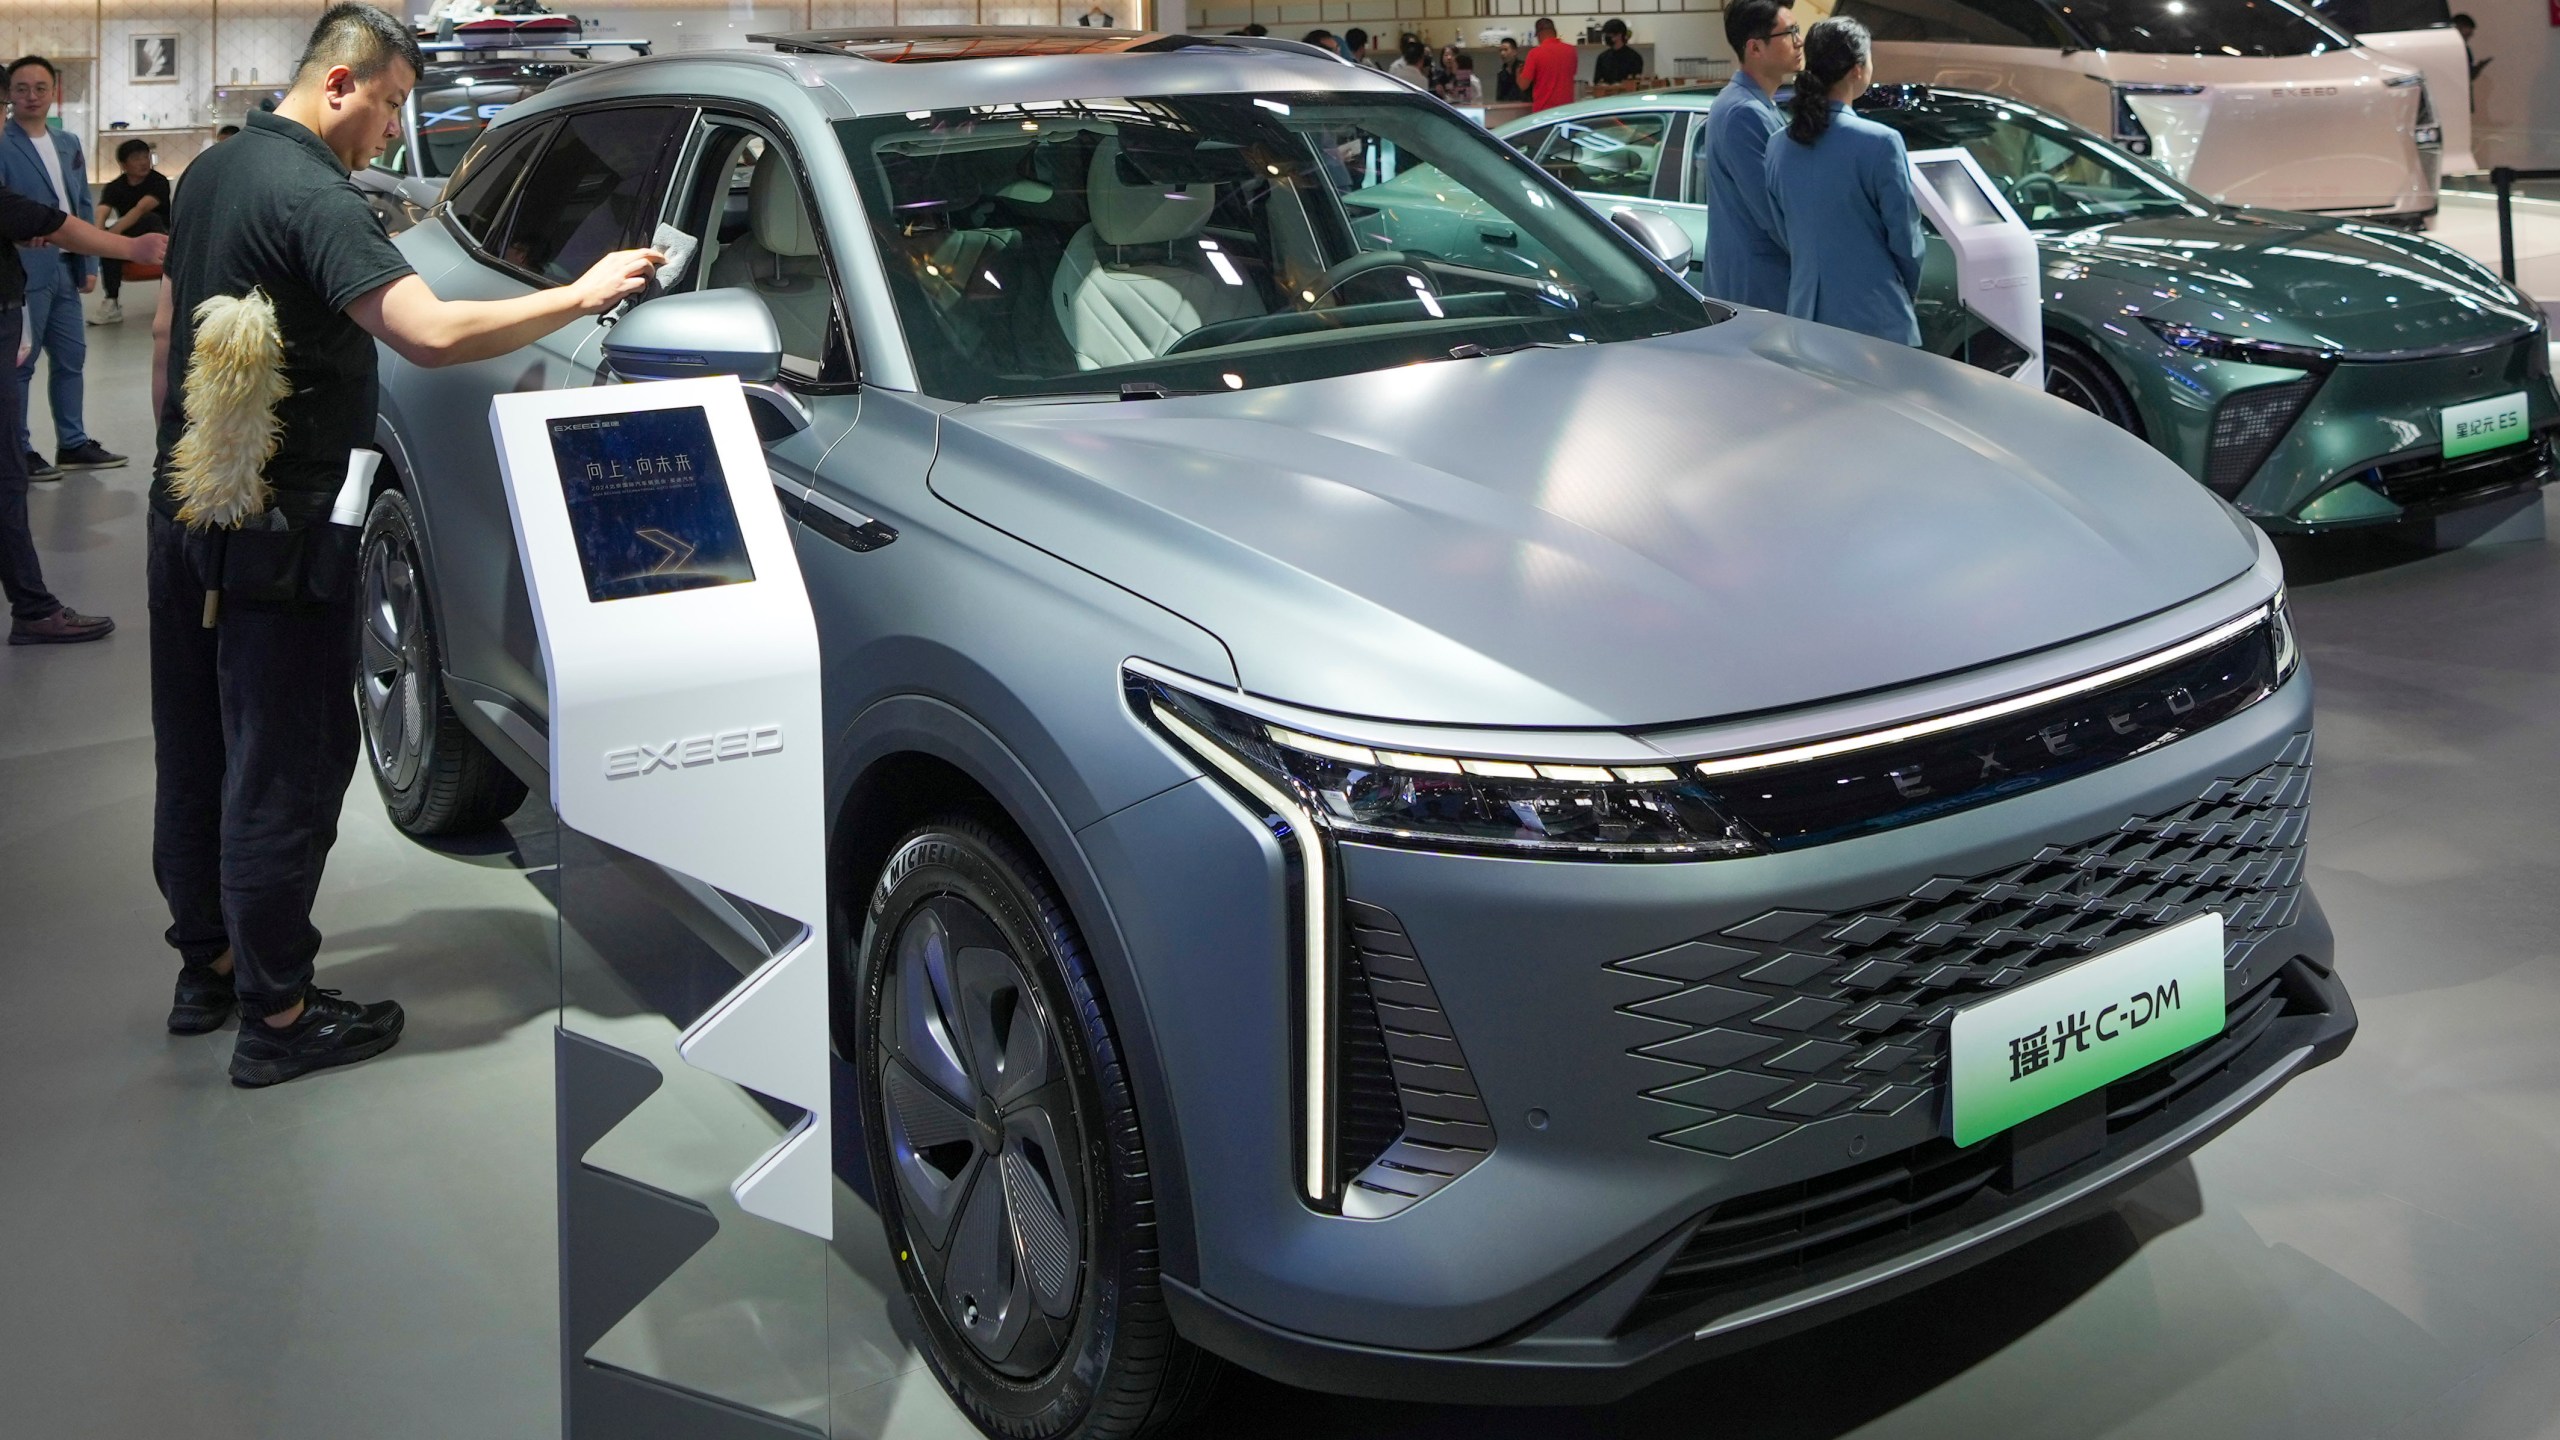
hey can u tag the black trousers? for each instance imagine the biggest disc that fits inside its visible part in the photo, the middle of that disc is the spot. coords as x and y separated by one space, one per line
111 277
21 576
254 733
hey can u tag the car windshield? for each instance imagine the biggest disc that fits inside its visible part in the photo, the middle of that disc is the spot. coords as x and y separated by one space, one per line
2201 27
2056 175
450 117
1207 242
2384 17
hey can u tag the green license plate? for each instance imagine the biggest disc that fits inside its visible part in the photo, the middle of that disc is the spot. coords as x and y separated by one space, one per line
2485 425
2020 1054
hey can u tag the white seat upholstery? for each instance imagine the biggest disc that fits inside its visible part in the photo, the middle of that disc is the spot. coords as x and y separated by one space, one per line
1117 307
779 260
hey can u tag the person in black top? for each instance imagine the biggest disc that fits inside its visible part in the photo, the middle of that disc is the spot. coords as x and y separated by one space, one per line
253 627
1619 61
1506 76
35 617
134 203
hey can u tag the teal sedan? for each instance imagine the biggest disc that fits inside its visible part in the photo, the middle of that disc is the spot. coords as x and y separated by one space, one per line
2317 372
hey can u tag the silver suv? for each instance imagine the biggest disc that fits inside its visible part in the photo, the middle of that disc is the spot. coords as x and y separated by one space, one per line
1423 825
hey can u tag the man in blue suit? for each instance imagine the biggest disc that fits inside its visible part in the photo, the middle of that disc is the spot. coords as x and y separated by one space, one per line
1746 251
38 160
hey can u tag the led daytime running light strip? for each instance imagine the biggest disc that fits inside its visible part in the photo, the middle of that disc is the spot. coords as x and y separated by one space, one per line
1821 750
1302 829
1353 754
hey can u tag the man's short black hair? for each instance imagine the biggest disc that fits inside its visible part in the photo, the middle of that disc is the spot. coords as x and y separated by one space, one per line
226 132
1749 20
1614 26
1544 26
1318 37
1354 39
131 148
362 38
23 61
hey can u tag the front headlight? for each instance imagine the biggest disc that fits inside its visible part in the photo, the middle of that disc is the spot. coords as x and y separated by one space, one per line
1447 802
2241 349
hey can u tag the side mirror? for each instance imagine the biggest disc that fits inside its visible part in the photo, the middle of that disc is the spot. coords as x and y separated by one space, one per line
696 333
1660 235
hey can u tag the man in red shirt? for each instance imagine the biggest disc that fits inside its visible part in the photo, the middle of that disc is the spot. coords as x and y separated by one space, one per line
1547 72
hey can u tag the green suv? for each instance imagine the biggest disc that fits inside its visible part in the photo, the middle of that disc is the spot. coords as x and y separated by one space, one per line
2317 372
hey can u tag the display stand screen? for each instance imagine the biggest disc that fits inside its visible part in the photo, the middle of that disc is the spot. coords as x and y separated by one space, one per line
1964 198
648 503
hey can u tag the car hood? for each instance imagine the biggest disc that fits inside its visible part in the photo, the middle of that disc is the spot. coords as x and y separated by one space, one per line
2298 279
1751 516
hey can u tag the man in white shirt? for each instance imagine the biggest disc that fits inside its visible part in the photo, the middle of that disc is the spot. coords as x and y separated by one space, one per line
40 161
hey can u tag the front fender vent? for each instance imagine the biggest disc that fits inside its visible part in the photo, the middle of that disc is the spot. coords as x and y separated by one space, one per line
1411 1119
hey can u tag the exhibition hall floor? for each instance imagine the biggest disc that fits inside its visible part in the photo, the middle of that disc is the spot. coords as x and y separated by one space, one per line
370 1252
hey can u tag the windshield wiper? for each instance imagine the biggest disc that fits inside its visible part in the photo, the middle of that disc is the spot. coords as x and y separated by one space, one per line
1127 390
1472 351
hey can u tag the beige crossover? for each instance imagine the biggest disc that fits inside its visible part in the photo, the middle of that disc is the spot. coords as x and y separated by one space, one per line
2254 102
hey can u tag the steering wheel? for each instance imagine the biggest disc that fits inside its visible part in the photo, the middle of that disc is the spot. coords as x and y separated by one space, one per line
2037 188
1367 262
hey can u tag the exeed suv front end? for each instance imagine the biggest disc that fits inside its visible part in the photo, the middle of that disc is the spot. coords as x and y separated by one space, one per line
1679 1019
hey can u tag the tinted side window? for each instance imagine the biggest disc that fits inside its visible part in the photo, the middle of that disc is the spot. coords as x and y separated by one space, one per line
595 190
487 180
1958 22
1606 154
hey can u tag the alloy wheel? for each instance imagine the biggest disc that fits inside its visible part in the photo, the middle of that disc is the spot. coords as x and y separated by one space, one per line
985 1138
389 682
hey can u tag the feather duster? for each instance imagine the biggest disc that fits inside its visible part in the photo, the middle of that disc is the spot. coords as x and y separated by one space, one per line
235 379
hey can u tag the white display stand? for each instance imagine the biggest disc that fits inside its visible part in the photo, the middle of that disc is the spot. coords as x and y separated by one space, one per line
685 722
1997 268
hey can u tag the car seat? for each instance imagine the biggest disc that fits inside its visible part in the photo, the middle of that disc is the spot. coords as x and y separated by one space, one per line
778 259
1136 279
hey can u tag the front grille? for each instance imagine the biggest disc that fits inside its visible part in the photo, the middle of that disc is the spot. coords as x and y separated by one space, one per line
1795 1016
1770 1240
1411 1119
2247 428
2424 483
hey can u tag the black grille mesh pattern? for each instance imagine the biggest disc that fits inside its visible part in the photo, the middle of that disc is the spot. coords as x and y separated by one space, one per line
2428 482
2247 427
1794 1016
1410 1119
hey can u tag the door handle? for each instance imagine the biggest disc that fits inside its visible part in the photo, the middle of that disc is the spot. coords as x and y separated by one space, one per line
1493 235
845 526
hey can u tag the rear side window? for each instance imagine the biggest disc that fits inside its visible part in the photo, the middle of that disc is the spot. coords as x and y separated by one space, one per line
487 180
595 190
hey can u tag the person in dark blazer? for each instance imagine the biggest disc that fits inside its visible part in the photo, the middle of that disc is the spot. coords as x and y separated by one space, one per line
1842 190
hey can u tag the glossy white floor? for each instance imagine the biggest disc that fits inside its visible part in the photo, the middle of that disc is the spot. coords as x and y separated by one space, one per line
2376 1252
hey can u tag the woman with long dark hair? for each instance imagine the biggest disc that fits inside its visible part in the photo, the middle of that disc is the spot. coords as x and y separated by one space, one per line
1842 190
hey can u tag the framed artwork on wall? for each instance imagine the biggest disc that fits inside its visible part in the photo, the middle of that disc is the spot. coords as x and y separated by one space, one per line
155 60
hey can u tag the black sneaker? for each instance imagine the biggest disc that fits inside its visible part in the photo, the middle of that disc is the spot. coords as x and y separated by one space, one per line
330 1031
87 455
39 468
205 1000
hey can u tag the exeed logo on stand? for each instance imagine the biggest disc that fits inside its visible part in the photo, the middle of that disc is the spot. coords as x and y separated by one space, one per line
741 744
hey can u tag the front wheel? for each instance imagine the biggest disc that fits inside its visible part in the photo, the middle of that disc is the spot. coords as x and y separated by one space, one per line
436 778
2074 374
1004 1146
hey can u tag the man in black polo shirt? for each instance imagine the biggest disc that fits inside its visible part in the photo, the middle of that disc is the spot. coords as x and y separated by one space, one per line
251 707
35 617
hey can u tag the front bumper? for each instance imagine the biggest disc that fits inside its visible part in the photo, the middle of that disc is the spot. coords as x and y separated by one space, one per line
1588 1353
1637 1082
2364 447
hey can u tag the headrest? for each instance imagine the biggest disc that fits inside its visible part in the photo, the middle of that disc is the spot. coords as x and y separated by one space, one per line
775 211
1132 211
